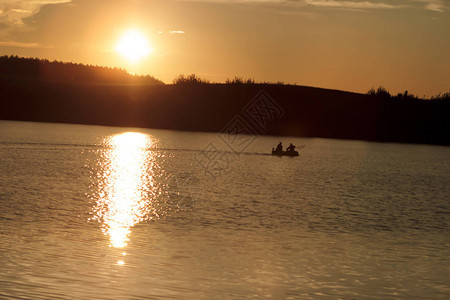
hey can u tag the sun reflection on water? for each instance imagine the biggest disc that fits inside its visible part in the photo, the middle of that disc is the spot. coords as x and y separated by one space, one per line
125 185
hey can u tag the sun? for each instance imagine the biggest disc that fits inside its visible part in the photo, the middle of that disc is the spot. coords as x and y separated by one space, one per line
133 45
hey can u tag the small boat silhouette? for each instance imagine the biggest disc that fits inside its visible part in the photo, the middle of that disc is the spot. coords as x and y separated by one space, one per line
284 153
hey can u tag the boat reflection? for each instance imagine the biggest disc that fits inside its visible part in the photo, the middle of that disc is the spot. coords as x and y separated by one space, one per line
125 185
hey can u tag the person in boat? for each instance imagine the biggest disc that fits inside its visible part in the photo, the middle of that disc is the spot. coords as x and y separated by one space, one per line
291 148
279 147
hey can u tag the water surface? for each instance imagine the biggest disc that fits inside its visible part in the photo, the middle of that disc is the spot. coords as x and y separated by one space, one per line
122 213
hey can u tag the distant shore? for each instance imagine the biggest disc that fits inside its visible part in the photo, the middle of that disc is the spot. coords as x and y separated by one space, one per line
255 108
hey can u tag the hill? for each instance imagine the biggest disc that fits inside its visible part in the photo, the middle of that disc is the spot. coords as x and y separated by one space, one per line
193 105
39 69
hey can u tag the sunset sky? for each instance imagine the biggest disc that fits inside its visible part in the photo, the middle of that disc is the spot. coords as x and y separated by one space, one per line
347 45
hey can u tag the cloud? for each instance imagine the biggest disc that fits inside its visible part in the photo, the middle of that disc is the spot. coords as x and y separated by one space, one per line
21 11
14 11
171 32
253 2
352 4
22 45
433 5
318 3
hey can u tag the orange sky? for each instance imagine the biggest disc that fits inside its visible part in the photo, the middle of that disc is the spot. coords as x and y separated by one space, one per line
346 45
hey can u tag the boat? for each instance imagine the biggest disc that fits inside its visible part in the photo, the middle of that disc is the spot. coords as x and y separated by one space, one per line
284 153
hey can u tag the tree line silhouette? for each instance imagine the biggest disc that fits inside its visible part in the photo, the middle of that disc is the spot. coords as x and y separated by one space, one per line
194 104
382 93
193 79
19 67
35 68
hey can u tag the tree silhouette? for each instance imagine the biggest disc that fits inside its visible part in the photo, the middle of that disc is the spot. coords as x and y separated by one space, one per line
42 69
381 92
189 80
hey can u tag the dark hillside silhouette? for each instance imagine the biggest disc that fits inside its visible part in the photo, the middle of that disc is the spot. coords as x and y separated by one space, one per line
33 68
193 104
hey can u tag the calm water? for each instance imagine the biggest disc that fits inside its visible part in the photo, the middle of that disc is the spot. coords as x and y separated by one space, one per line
118 213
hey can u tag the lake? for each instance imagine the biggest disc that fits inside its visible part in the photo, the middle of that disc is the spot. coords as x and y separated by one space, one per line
91 212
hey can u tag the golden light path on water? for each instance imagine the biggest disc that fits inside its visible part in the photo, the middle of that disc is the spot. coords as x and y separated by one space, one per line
125 185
